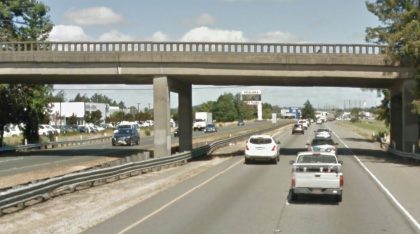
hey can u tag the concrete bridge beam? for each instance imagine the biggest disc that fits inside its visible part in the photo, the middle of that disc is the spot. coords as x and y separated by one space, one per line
185 116
404 123
162 86
161 115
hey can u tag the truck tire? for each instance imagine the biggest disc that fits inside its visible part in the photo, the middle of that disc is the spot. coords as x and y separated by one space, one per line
247 161
339 198
293 196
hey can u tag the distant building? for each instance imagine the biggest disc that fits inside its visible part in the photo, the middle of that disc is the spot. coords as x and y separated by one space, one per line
62 110
290 113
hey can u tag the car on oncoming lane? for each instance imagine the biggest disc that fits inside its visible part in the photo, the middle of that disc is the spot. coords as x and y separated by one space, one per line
262 148
210 128
126 136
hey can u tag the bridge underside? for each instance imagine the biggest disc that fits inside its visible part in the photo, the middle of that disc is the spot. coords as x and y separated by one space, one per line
326 81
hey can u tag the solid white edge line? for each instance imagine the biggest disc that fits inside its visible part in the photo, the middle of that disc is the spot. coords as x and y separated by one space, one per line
384 189
178 198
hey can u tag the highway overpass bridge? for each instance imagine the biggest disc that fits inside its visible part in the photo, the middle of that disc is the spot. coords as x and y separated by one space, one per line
175 66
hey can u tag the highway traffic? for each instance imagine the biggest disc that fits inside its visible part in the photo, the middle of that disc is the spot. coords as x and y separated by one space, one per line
234 197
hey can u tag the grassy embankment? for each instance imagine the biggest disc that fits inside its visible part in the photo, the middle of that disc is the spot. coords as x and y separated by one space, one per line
369 129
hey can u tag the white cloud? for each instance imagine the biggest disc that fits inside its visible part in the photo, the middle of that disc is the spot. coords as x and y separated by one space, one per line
278 37
204 20
114 35
93 16
159 36
68 33
213 35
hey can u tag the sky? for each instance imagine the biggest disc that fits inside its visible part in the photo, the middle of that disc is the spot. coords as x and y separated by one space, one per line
280 21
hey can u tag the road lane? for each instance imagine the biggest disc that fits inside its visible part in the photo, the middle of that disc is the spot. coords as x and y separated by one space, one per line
254 199
394 174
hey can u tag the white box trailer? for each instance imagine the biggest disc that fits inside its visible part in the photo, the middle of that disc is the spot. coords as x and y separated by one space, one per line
201 120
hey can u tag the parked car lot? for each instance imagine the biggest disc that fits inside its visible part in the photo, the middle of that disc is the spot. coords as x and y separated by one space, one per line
262 148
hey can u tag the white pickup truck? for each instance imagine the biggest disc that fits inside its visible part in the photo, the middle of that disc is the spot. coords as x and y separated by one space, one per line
317 173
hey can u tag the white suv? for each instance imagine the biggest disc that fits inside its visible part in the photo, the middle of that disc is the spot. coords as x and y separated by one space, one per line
262 147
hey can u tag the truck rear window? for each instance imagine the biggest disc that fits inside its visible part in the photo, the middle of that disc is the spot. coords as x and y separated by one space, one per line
322 142
317 159
260 141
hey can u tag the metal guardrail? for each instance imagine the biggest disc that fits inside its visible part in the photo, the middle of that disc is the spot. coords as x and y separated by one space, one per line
22 196
403 154
202 47
53 144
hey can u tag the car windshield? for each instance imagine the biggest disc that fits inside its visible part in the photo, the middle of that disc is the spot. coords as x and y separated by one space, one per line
322 142
124 131
210 125
317 159
260 140
297 125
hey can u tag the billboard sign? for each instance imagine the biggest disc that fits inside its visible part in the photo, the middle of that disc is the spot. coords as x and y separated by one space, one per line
251 97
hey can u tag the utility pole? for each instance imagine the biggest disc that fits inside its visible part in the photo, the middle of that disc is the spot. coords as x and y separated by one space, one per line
138 106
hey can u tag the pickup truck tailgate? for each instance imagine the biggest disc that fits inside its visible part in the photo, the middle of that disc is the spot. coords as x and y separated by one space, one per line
319 176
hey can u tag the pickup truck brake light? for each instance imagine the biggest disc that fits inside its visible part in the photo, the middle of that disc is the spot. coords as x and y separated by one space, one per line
274 148
293 181
341 181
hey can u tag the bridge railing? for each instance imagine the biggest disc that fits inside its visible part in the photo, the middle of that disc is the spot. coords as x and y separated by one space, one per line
207 47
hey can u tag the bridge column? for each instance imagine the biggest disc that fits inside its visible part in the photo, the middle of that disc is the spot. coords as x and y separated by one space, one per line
404 123
185 118
161 115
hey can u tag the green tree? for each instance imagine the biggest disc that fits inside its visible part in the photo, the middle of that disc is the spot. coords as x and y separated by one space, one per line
116 117
206 107
224 109
95 117
245 111
384 109
25 20
267 110
58 97
355 114
308 112
72 120
400 31
121 105
80 98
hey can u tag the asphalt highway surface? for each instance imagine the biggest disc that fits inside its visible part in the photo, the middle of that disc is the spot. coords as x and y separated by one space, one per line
234 197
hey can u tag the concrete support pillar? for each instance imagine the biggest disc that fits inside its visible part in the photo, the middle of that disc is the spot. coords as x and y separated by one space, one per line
161 114
185 118
404 123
